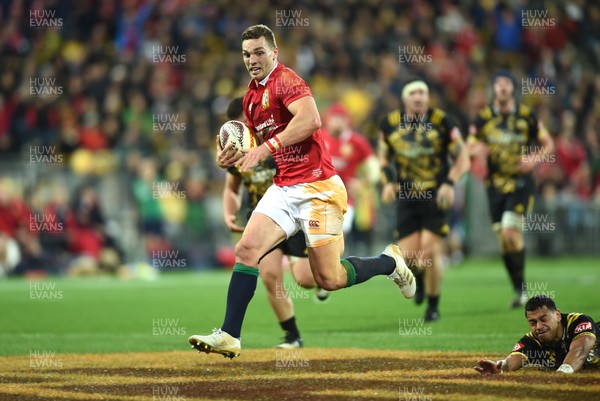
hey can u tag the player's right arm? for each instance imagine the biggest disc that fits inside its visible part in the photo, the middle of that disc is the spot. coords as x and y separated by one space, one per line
510 364
304 123
476 144
225 157
389 179
581 328
232 201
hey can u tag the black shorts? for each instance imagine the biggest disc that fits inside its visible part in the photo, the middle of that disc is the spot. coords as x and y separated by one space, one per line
519 201
295 245
415 215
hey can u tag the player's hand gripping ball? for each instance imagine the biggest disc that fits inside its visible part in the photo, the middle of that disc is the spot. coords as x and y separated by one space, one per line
239 135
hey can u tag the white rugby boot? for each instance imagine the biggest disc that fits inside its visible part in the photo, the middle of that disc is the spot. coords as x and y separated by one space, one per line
219 342
402 275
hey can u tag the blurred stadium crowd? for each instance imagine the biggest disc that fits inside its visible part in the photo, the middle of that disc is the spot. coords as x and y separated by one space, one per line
108 109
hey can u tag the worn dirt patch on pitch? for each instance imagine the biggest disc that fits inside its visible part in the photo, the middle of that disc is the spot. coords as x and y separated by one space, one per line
306 374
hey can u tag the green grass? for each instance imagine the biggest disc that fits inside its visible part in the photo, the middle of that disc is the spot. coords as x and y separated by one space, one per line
112 315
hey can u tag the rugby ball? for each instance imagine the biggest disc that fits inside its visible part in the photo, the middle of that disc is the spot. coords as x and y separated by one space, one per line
237 133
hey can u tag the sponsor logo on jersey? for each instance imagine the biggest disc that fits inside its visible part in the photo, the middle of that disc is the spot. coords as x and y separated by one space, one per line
517 347
581 327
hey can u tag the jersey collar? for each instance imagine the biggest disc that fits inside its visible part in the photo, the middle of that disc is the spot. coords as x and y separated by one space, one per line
265 79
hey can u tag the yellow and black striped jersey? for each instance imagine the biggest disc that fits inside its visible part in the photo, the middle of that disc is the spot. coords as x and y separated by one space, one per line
552 356
257 180
509 137
419 146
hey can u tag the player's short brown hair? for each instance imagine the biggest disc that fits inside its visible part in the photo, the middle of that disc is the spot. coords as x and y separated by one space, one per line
257 31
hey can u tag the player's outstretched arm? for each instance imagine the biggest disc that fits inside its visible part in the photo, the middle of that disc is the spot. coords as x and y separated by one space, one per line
511 363
578 351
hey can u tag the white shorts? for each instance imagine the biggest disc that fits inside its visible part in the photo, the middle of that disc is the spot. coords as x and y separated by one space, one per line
317 208
348 220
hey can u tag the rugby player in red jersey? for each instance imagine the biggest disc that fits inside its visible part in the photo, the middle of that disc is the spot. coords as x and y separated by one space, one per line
256 181
308 195
358 167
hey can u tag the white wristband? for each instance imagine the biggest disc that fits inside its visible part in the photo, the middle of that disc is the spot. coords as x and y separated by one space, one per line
565 368
504 365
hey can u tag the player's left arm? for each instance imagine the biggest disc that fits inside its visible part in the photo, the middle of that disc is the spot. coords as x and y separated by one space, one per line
460 156
578 351
546 148
388 174
304 123
461 164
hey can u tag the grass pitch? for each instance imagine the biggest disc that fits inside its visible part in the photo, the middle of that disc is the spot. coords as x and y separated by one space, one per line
124 340
321 374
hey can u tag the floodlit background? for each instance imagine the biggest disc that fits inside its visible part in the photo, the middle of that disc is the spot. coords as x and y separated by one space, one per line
109 109
108 117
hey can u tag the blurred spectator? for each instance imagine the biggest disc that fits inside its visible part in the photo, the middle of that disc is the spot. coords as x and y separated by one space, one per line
592 144
21 247
358 167
88 240
147 190
50 210
102 60
570 152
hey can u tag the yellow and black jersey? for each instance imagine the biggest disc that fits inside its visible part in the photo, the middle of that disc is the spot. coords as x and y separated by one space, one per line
419 146
541 355
257 180
509 137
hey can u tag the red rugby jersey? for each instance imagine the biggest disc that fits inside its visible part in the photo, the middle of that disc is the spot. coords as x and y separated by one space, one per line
347 153
266 112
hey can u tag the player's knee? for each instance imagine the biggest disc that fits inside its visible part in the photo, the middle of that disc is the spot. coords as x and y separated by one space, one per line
511 239
246 253
329 281
269 278
306 282
330 284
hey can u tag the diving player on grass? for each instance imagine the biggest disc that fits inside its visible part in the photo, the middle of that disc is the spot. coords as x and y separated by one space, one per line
565 342
308 195
514 141
256 181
